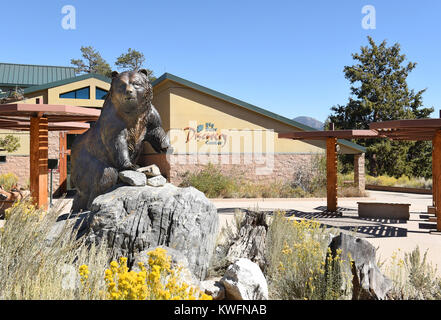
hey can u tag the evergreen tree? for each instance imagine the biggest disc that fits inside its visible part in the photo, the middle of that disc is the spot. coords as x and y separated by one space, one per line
379 92
9 143
92 63
133 60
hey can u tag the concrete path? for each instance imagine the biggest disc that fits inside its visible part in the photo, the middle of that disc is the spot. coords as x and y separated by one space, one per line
388 236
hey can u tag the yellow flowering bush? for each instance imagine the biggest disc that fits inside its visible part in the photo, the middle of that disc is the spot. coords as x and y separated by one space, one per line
157 281
403 181
301 265
25 208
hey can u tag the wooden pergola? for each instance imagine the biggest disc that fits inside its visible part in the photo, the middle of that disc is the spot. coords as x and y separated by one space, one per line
413 130
39 119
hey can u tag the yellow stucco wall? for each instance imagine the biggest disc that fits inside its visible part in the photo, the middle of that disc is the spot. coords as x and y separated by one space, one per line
52 95
23 138
240 130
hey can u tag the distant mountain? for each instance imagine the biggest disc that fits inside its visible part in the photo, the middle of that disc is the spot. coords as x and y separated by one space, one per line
311 122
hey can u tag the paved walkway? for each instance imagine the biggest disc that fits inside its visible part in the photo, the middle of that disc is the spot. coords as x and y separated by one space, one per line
387 235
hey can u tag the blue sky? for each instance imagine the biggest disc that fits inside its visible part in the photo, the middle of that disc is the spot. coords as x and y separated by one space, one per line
284 56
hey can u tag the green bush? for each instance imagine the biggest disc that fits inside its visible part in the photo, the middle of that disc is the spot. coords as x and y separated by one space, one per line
210 181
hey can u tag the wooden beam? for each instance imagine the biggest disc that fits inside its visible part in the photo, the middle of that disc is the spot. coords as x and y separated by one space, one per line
38 160
331 173
62 163
436 179
322 135
407 123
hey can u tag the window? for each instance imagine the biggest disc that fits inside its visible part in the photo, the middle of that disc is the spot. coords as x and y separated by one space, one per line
2 159
83 93
100 94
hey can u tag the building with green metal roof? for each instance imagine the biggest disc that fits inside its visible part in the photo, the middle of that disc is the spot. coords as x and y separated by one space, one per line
27 75
205 126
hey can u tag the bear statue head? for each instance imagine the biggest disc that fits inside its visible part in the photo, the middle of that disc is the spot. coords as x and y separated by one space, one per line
131 92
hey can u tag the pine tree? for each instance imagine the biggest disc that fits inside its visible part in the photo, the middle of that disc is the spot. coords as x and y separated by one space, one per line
133 60
379 92
92 63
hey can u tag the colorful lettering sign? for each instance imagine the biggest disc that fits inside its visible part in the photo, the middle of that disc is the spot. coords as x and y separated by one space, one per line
206 133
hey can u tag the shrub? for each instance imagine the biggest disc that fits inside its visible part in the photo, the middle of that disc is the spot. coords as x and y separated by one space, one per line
348 192
300 265
413 277
8 180
309 181
311 177
158 282
210 181
403 181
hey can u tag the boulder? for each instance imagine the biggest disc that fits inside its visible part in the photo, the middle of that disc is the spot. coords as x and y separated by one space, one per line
368 281
244 280
150 171
133 219
133 178
213 288
157 181
178 260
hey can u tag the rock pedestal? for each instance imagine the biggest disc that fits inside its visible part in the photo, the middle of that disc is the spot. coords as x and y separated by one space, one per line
131 219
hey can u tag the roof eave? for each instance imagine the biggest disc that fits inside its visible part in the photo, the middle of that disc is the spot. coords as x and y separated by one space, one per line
219 95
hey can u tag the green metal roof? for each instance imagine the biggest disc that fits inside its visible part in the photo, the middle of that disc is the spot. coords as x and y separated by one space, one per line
251 107
67 81
27 75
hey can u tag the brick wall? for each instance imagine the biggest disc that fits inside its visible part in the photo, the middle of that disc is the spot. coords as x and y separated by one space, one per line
359 171
268 167
54 153
19 165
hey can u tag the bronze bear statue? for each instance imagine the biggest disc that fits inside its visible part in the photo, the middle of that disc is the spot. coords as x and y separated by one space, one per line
114 142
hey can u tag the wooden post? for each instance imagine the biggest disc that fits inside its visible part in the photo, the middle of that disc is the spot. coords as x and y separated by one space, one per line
434 171
62 163
38 160
436 178
331 173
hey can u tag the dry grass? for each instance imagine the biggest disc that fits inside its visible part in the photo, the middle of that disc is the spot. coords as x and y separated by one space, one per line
34 265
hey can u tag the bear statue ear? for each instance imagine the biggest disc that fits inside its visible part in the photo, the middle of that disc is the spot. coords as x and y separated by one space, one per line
144 71
114 74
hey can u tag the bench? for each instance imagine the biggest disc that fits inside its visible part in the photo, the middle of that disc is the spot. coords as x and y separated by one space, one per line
381 210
